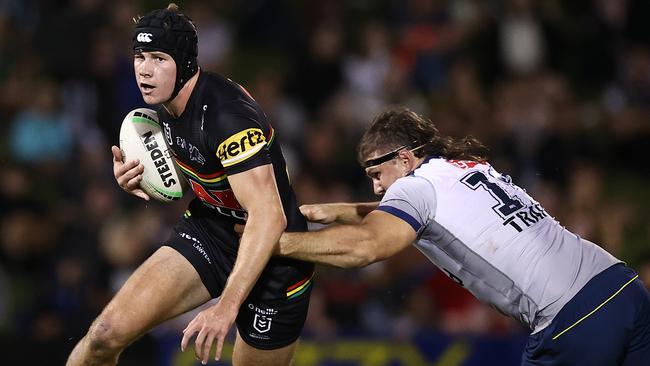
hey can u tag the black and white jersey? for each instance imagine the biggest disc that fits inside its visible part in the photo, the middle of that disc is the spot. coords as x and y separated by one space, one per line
221 132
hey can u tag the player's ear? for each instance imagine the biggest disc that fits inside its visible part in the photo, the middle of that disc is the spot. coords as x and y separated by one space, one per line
405 156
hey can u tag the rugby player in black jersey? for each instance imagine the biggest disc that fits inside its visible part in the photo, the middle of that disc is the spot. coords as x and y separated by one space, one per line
227 150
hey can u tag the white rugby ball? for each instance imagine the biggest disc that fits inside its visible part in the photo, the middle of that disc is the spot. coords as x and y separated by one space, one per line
142 138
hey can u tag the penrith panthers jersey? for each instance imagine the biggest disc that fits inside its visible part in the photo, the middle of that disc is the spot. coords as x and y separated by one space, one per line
493 239
222 132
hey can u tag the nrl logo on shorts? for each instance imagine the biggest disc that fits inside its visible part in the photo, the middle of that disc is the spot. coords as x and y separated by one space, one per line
262 323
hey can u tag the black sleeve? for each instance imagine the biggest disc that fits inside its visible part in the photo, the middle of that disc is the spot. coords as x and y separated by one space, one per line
236 134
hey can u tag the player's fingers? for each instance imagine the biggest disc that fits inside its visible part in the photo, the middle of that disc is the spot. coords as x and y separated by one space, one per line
207 346
220 339
190 326
136 170
198 343
305 210
313 213
134 182
140 193
119 169
117 154
187 335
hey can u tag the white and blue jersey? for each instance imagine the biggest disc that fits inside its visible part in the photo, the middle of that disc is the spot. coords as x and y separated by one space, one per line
493 239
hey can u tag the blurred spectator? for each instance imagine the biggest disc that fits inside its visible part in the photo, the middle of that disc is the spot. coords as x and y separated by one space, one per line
366 72
426 37
65 37
318 73
632 87
39 134
126 241
644 271
521 38
285 114
216 38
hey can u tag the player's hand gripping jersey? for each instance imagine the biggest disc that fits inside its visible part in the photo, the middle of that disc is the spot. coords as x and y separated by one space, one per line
493 239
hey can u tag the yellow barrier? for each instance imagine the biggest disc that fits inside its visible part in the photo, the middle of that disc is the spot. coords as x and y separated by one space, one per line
362 353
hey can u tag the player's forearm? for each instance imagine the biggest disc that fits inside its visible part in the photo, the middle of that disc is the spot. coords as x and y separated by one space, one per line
255 248
353 213
340 213
346 246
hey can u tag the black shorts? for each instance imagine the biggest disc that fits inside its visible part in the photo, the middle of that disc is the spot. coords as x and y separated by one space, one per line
274 313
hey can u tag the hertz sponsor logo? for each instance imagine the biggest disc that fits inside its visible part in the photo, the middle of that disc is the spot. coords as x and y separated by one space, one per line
241 146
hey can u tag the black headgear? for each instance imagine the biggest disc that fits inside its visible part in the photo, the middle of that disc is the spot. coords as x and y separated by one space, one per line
173 33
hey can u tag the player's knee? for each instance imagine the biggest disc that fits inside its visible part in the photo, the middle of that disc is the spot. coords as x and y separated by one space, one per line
105 337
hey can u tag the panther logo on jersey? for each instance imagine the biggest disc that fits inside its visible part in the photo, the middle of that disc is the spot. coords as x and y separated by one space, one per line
240 146
168 133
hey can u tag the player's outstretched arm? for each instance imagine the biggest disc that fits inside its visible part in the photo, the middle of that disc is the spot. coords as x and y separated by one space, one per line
379 236
256 191
128 174
340 213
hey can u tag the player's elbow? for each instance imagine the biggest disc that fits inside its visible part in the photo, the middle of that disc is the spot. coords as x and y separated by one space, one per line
356 260
274 217
362 253
365 256
282 223
279 219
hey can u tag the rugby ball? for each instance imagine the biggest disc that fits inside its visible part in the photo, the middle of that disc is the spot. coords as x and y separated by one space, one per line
142 138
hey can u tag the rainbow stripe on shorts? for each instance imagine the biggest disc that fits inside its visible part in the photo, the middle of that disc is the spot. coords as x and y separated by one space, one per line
300 287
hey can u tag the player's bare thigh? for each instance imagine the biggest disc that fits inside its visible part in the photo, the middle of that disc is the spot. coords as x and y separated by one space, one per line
245 355
164 286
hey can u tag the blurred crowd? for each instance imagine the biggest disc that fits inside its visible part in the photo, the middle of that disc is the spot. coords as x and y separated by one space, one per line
558 90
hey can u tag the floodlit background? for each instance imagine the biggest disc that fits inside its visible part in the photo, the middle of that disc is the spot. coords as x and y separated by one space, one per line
559 91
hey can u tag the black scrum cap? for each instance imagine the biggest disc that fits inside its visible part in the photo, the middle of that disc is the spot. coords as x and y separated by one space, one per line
167 30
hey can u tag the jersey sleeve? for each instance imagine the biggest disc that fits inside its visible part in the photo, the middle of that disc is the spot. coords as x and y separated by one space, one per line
412 199
237 136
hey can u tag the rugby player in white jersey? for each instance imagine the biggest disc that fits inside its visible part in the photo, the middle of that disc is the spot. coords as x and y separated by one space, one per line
583 306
